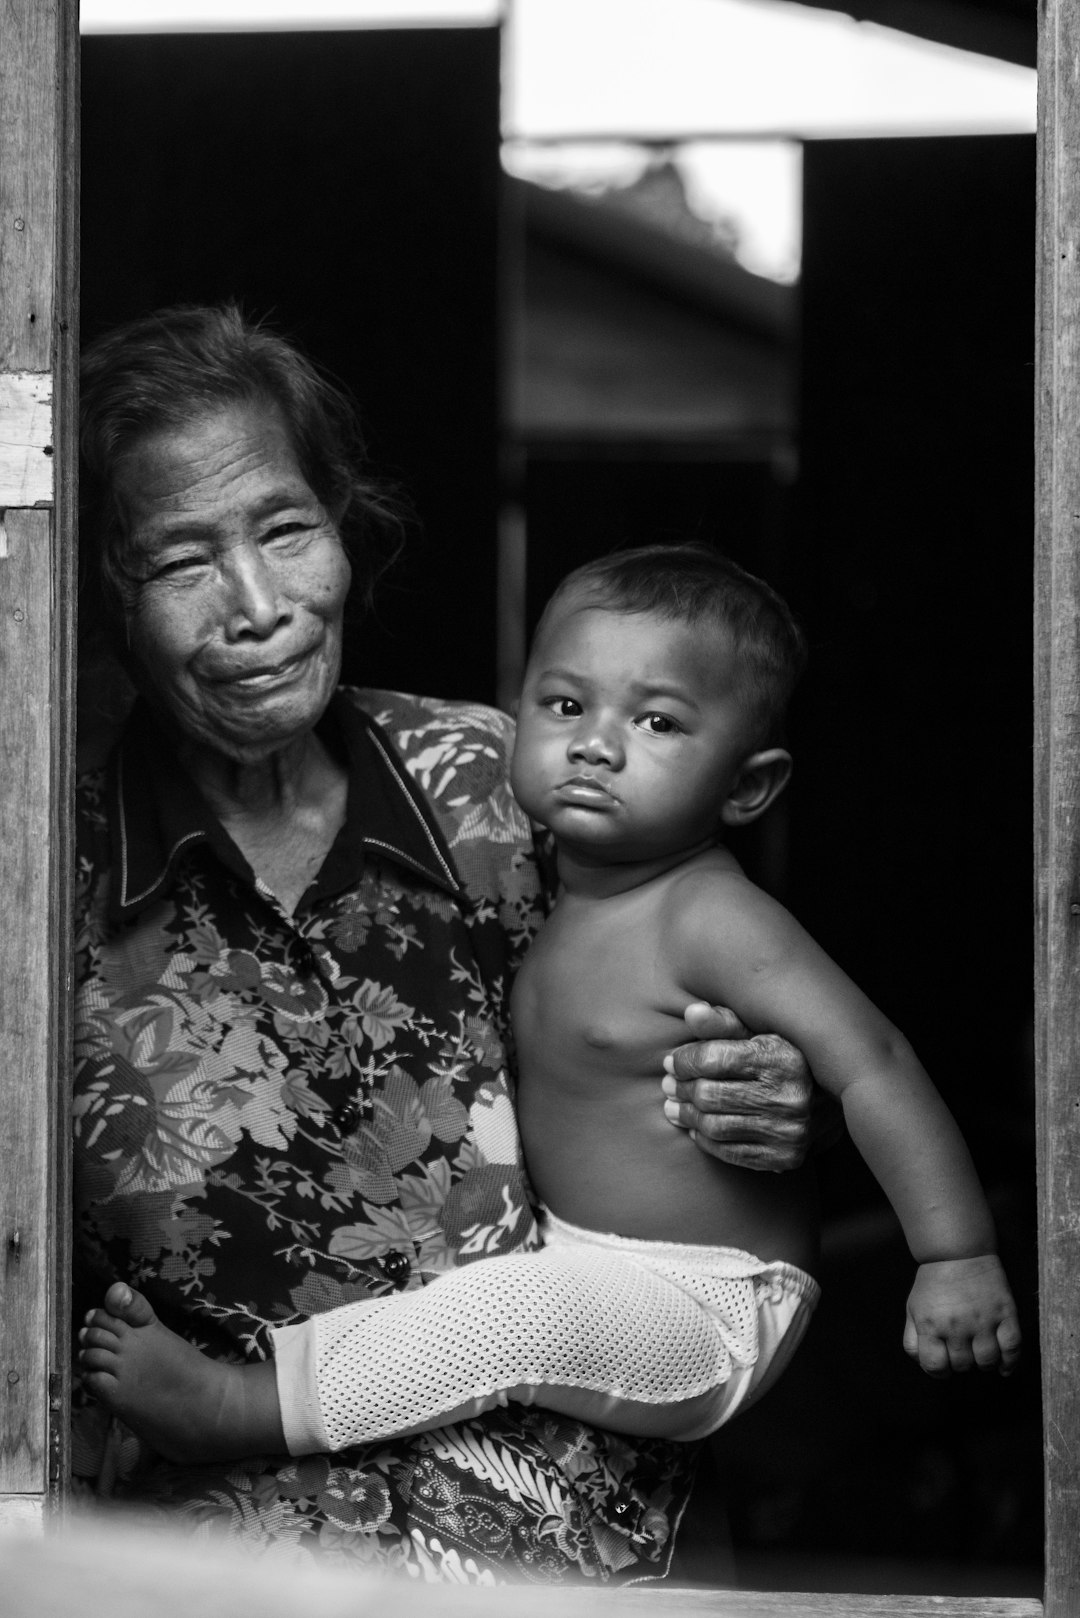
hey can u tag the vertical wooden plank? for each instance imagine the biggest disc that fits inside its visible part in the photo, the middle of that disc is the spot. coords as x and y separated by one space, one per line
38 338
25 1009
64 537
1057 787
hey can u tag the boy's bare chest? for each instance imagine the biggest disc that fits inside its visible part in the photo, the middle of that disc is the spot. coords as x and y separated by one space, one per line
598 988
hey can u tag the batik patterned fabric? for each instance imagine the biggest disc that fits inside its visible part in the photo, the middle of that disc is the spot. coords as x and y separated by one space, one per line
276 1114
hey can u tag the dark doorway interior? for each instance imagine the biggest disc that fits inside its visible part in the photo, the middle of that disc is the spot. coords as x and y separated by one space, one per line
346 185
909 842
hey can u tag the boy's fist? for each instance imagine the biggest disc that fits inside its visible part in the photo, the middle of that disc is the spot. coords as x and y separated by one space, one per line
961 1313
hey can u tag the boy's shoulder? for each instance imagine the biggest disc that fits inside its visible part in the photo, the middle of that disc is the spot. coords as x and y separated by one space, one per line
704 878
711 904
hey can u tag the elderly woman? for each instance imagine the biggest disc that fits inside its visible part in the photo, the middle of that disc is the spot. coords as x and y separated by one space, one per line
301 907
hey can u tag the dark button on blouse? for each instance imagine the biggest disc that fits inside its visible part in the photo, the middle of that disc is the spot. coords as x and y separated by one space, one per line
395 1266
346 1117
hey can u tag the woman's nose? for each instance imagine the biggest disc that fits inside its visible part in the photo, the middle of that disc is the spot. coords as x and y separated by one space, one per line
598 743
256 606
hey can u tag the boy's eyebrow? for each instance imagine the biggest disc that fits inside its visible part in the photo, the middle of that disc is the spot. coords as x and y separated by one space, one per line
663 688
640 689
556 671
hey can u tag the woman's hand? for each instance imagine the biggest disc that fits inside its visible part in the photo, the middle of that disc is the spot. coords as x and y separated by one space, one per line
747 1099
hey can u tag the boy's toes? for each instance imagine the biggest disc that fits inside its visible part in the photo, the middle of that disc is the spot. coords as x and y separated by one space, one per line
128 1305
101 1335
97 1359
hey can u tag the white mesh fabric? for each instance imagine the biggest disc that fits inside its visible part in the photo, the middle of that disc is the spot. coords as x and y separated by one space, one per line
648 1323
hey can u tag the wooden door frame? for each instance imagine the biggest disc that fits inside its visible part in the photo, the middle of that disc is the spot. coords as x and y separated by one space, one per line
39 177
38 459
1057 787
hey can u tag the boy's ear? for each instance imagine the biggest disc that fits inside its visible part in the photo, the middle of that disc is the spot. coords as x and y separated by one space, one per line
760 781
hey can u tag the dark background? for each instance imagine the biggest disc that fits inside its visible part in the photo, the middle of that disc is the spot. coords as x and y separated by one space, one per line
909 559
348 186
345 185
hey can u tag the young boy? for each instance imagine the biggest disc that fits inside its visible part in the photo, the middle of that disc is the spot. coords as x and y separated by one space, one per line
672 1288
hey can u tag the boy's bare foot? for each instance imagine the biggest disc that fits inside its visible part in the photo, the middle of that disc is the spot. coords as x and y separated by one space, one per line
189 1407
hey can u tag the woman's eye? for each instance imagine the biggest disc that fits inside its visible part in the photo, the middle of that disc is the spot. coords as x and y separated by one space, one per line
172 566
285 530
658 724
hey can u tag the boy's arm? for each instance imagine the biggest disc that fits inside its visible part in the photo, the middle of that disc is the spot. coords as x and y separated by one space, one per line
736 944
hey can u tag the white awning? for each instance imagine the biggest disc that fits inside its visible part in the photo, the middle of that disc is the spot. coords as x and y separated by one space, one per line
659 68
686 68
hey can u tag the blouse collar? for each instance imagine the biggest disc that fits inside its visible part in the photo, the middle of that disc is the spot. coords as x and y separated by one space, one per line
157 813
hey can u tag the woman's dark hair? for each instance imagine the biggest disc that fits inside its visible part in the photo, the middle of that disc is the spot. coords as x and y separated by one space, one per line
695 583
168 368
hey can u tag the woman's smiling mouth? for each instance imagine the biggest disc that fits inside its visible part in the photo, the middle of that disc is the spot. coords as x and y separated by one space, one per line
258 679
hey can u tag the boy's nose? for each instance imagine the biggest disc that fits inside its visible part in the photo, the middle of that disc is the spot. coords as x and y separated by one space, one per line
599 744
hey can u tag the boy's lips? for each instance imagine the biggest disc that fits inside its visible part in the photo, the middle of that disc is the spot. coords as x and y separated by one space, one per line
585 789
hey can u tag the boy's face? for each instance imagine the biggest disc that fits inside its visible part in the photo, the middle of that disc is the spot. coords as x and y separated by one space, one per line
632 729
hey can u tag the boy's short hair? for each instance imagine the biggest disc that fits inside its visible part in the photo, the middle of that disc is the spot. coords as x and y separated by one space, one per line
695 583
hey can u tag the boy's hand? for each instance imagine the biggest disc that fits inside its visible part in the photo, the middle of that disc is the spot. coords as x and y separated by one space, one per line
750 1101
961 1313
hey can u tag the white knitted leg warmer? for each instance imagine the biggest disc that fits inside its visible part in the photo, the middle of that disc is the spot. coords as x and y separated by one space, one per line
594 1330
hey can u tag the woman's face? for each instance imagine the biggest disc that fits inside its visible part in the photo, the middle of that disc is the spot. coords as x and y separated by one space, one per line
235 625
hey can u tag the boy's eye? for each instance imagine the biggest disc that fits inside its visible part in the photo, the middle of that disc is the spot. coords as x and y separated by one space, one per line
658 724
562 707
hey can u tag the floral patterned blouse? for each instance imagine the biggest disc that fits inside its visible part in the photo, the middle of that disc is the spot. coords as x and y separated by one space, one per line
277 1114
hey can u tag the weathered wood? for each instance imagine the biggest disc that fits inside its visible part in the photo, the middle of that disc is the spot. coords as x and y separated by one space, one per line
28 982
1057 790
28 179
38 110
23 1513
668 1603
65 365
26 433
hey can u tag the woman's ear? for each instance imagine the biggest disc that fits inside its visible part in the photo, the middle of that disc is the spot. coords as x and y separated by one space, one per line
761 779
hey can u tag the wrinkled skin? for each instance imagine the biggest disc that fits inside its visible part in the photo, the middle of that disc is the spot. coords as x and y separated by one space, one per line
749 1100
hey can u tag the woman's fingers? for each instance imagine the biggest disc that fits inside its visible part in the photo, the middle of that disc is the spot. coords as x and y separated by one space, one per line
714 1022
746 1100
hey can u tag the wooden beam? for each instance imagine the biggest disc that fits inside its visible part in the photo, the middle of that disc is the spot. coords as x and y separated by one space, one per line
1057 789
662 1602
38 351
